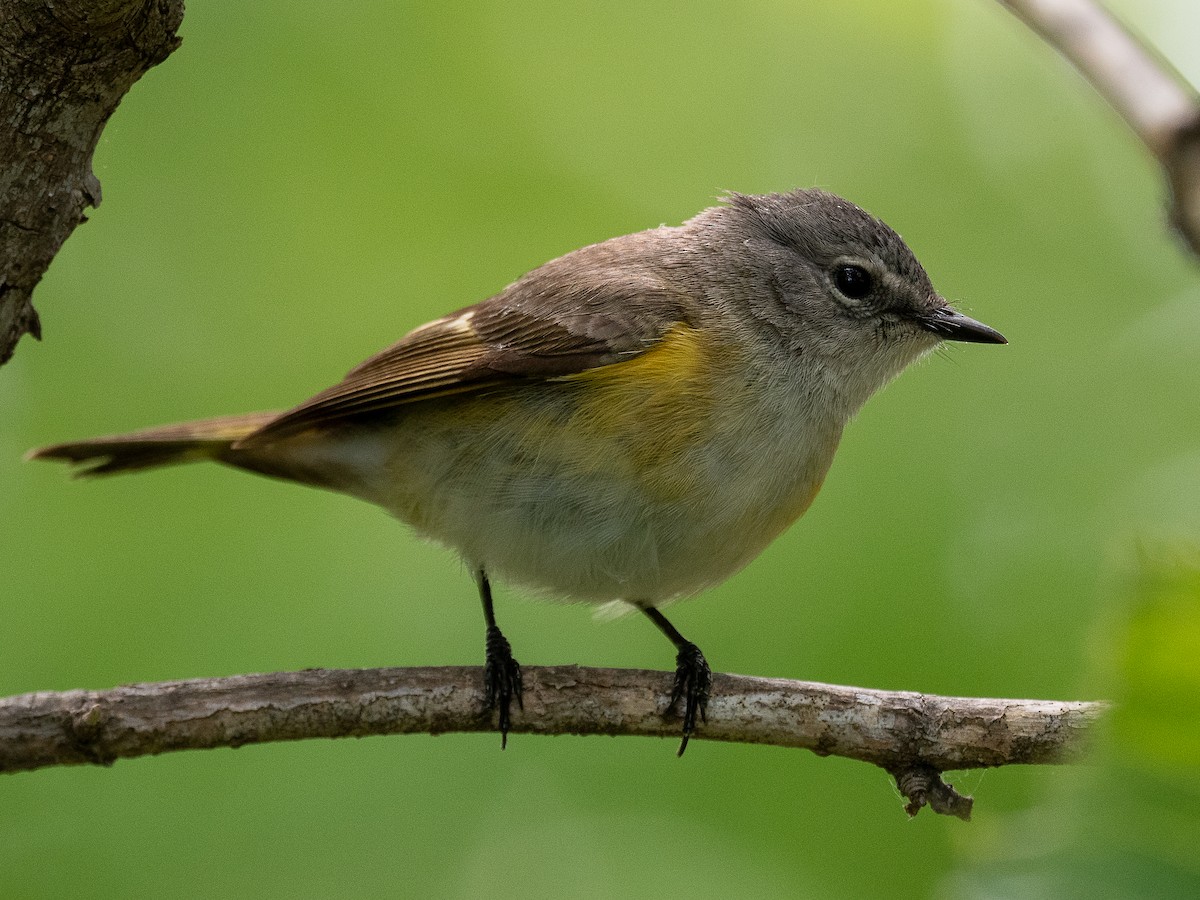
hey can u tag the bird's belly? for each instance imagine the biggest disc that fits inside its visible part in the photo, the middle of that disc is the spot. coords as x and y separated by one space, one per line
580 497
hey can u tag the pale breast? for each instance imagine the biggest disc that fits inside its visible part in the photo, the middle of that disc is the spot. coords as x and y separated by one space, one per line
644 481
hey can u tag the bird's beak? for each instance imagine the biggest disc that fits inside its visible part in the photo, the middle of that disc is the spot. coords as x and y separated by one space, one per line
952 325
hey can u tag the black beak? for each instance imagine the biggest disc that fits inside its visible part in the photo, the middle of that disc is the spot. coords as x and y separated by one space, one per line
954 326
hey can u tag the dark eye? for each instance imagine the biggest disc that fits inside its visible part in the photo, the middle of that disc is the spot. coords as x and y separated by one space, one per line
853 281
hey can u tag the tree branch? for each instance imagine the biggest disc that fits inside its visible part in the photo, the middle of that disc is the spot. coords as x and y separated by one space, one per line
914 736
64 67
1161 108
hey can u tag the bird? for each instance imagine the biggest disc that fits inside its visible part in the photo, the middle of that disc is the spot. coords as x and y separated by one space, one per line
631 423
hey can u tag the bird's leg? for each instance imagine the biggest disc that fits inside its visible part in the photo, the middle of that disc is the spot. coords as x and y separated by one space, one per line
501 673
693 678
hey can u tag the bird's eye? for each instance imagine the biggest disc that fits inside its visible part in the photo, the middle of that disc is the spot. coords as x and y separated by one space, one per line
854 282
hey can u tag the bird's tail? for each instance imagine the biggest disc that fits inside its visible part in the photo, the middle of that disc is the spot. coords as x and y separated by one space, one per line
162 446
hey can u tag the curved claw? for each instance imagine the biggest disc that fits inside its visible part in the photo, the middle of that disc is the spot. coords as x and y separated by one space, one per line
501 680
693 682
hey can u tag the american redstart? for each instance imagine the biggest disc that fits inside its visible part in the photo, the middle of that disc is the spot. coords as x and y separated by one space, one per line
634 421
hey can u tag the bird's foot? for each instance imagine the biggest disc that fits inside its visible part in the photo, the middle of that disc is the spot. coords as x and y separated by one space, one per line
501 680
693 681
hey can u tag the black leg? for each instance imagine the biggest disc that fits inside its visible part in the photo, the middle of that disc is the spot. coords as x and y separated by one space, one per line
693 678
501 673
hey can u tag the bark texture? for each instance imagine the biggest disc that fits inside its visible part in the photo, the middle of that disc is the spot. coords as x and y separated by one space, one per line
914 736
64 67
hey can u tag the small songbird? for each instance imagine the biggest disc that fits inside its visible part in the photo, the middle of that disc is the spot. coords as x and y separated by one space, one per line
634 421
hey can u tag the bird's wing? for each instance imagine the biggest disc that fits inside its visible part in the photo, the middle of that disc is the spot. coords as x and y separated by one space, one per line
558 320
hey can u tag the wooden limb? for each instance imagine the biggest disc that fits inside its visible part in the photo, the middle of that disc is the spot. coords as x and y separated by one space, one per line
1161 108
64 67
914 736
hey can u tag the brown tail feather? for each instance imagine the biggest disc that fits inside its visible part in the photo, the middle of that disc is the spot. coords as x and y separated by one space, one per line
162 446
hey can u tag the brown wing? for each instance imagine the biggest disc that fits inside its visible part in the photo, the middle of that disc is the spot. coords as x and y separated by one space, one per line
591 308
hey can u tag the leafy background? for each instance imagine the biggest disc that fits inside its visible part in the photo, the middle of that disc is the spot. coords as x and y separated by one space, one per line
301 183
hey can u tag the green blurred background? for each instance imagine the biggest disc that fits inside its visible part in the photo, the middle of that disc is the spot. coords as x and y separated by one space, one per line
301 183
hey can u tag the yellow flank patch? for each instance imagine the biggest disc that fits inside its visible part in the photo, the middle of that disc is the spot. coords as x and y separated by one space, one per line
652 409
679 356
